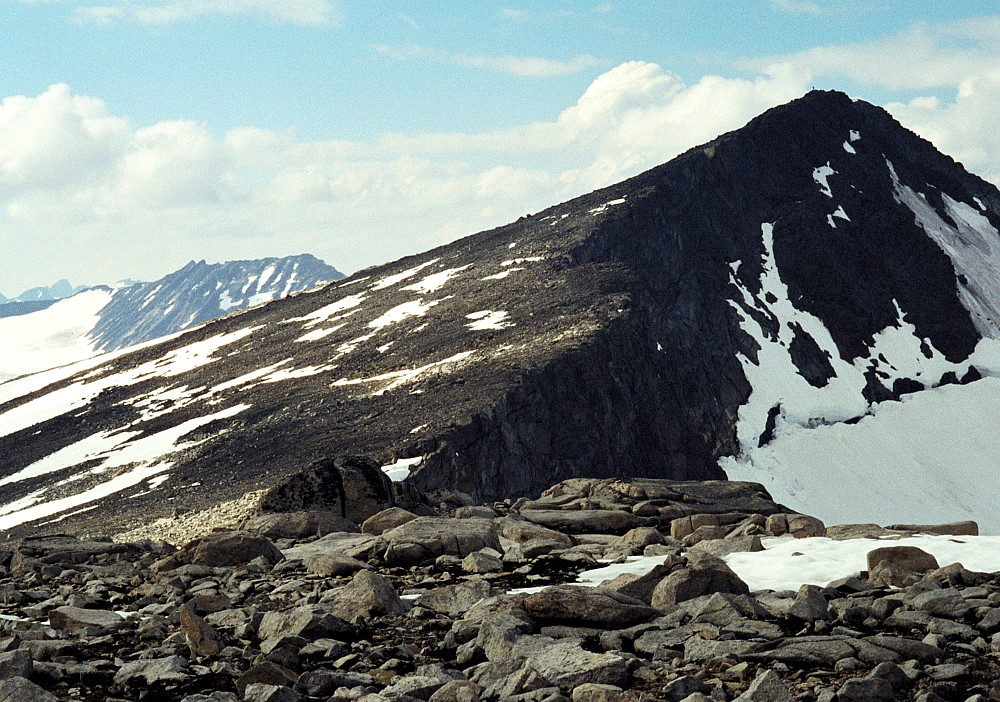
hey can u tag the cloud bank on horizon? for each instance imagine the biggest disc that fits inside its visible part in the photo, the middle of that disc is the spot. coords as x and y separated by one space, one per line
86 193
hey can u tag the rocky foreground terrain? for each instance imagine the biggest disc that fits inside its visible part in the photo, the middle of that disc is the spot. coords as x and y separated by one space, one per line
419 602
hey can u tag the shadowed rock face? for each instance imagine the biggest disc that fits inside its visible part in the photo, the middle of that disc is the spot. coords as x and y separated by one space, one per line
618 334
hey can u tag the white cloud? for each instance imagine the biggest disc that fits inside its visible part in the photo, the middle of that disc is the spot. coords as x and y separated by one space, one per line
525 66
799 7
306 12
511 13
79 185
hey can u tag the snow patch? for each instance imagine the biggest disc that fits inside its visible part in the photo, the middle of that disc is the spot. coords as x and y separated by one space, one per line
400 469
929 458
502 274
973 246
50 337
144 454
330 311
519 261
435 281
820 175
395 379
774 377
79 394
606 205
391 280
317 334
413 308
788 563
488 319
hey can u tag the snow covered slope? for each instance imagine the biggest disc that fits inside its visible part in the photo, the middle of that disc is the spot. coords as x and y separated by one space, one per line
806 302
104 319
50 337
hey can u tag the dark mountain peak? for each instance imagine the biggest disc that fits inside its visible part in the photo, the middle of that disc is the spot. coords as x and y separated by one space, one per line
785 275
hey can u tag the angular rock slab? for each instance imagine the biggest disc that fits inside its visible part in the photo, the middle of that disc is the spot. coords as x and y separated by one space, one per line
232 548
766 688
587 606
69 618
426 538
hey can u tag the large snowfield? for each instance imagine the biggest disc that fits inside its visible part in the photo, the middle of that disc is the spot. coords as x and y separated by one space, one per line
933 457
787 563
51 337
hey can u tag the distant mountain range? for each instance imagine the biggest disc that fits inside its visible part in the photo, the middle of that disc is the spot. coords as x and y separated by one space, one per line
51 293
47 327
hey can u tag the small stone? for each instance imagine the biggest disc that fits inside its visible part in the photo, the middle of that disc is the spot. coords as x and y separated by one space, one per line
946 671
479 562
259 692
596 692
809 605
866 690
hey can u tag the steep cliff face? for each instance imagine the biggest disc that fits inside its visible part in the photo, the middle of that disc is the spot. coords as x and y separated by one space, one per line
788 274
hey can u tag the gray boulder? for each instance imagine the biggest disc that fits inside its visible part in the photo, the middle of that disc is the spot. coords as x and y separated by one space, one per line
455 600
153 671
299 525
21 690
334 564
232 548
368 594
587 606
386 519
767 687
703 574
566 665
353 486
309 622
426 538
15 664
72 618
584 521
260 692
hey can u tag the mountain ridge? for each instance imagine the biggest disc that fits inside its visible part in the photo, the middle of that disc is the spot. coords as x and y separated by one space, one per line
784 275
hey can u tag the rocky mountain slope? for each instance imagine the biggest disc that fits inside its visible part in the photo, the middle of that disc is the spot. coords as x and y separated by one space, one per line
468 603
40 335
784 277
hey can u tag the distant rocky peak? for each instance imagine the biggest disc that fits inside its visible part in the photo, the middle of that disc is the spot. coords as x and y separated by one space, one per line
202 291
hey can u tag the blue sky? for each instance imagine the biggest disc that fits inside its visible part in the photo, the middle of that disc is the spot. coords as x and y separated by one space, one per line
221 129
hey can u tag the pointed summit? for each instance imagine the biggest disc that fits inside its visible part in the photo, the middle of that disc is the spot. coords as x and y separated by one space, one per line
775 282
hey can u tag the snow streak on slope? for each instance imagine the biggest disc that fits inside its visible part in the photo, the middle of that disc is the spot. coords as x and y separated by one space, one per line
51 337
141 457
972 244
774 377
77 395
932 457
